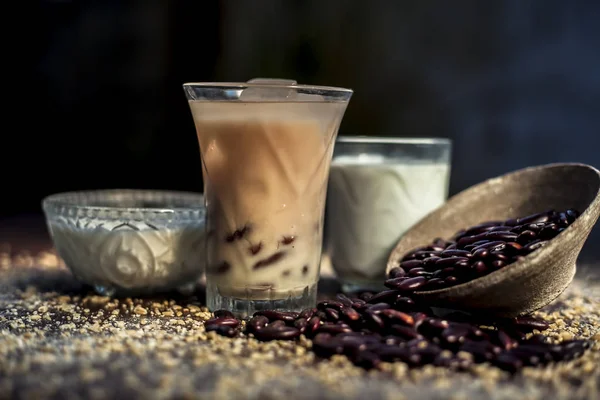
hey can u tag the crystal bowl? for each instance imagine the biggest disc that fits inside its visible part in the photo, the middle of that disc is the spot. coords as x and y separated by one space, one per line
129 242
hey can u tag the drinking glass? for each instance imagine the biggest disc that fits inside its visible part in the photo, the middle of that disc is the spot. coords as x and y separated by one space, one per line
266 148
379 188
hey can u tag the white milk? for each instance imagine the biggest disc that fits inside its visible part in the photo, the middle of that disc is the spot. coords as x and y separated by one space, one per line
371 203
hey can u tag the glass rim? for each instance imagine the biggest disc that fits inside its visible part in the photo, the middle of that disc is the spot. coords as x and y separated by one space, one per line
80 200
394 140
242 85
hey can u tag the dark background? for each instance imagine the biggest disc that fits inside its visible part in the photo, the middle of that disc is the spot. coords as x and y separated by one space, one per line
514 83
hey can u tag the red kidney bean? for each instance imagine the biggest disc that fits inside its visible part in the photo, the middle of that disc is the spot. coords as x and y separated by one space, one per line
549 231
429 263
373 320
404 332
499 256
511 222
535 218
526 237
350 314
398 316
513 247
490 245
449 262
431 327
501 235
562 220
394 283
505 340
418 272
528 323
480 267
420 255
223 322
481 254
434 283
481 351
419 317
223 330
333 329
330 304
386 296
538 339
301 324
256 323
345 300
278 333
404 304
365 296
377 307
455 253
572 215
467 240
358 306
412 284
408 265
274 315
396 272
508 362
501 228
307 313
367 360
332 314
276 324
481 228
313 325
531 357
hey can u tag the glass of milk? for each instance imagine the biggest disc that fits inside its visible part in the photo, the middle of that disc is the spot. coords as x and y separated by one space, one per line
378 188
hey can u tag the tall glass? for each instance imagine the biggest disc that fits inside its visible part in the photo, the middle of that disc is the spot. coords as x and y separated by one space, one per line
378 188
266 148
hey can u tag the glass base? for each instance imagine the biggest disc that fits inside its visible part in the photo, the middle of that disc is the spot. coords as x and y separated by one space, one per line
362 286
246 307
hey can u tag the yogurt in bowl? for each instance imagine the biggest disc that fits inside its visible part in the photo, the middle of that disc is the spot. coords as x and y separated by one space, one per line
129 242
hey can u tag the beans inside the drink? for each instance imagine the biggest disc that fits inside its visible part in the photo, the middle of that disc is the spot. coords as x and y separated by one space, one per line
390 326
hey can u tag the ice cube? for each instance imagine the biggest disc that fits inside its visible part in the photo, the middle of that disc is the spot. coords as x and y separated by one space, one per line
279 91
309 97
273 81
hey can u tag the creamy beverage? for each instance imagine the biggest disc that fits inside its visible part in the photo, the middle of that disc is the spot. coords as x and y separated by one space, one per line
265 168
371 202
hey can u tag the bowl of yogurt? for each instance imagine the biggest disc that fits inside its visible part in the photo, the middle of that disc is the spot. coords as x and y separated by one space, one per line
378 188
129 242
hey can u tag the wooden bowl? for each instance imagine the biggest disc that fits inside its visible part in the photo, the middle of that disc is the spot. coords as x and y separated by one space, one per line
537 279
